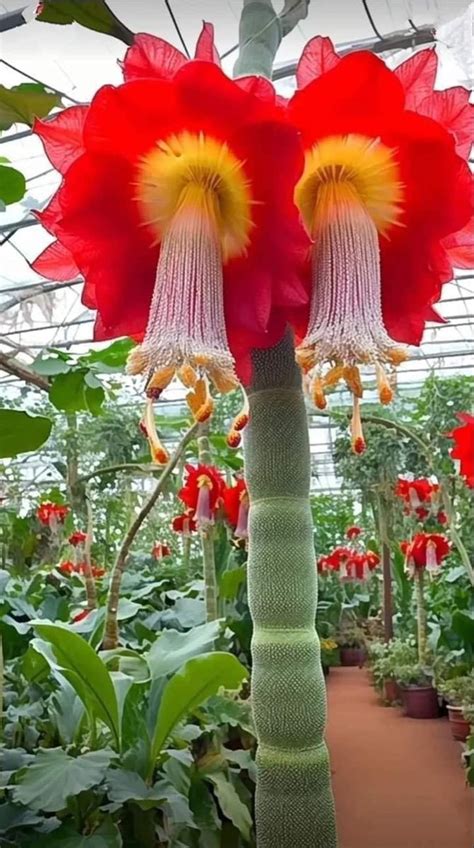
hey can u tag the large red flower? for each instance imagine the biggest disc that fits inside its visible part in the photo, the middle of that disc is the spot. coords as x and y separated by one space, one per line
202 492
184 524
177 207
416 492
77 538
425 551
464 447
236 507
384 187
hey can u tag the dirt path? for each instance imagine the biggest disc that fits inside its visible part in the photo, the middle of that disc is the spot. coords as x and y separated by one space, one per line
398 781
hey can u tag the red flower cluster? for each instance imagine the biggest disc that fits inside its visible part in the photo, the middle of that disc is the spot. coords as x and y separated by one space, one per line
464 447
77 538
202 493
50 514
236 507
420 496
184 524
160 550
349 563
69 567
425 551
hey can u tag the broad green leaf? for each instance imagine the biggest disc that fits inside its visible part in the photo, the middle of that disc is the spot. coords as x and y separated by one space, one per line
49 366
199 678
172 648
23 103
130 663
67 391
68 711
21 432
463 625
13 817
107 835
12 185
231 581
92 14
129 786
230 803
86 672
94 399
55 776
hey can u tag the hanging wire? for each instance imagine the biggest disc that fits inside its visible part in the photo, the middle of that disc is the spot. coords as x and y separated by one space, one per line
371 20
176 26
39 82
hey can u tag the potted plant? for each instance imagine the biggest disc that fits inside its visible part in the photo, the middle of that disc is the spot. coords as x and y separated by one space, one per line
459 693
397 652
419 697
330 655
351 641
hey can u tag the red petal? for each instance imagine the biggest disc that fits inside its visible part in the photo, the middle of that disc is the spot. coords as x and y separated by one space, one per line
317 57
153 57
62 136
259 87
56 263
205 47
417 76
451 109
460 247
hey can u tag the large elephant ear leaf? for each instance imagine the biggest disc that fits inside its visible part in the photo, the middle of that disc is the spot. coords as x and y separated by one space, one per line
193 684
74 658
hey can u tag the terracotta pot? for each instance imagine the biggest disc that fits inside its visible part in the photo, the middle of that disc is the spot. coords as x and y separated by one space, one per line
420 701
352 656
460 727
391 690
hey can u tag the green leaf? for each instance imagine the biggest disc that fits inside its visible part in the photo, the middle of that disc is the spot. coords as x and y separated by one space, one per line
231 581
114 357
172 649
94 399
85 671
68 712
21 432
12 185
463 626
129 786
23 103
106 836
67 391
92 14
230 803
199 678
55 776
49 366
13 818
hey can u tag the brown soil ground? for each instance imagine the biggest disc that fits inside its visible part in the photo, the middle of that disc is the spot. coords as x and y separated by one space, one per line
398 782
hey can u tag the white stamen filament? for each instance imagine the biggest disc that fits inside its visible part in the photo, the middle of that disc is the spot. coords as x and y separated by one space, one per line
186 323
346 322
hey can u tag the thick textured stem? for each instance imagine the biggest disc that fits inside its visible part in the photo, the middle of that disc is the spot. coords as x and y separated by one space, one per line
207 537
420 616
111 635
91 591
294 804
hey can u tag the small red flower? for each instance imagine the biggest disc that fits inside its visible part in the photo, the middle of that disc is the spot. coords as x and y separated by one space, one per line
202 492
50 514
184 524
442 518
425 551
160 550
383 229
236 507
422 513
97 572
66 567
353 532
464 447
415 493
80 616
77 538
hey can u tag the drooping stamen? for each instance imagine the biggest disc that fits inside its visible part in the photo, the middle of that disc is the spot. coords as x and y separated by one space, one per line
349 195
432 563
415 502
357 435
195 198
241 531
159 454
200 401
203 515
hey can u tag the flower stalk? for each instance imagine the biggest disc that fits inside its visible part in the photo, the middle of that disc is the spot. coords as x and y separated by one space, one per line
420 615
206 533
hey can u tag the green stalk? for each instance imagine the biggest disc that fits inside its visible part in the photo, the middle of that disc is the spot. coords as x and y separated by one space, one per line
207 537
420 616
294 804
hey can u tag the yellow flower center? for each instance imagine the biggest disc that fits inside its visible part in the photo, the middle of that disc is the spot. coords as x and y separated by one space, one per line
195 175
354 169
